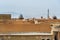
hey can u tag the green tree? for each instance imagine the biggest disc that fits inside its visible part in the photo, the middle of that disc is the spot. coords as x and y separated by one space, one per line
54 17
21 16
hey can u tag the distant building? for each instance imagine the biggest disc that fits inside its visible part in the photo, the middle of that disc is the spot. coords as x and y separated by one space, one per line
5 16
40 29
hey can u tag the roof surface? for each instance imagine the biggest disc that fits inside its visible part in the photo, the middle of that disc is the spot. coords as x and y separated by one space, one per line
17 25
23 26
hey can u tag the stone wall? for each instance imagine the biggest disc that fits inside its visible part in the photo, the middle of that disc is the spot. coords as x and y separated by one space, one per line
25 37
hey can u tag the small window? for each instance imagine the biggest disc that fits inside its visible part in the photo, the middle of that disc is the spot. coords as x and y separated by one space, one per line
48 39
43 39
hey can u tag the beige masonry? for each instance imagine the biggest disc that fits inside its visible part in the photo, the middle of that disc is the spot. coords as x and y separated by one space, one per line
22 37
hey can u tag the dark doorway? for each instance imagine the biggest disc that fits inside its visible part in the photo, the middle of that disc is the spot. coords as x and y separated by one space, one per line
56 36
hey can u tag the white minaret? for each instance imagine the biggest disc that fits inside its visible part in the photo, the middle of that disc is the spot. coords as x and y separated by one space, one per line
48 14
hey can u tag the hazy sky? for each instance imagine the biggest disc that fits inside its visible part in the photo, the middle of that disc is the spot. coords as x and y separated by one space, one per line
30 8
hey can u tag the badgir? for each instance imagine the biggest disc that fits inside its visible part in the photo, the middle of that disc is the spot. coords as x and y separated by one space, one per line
29 29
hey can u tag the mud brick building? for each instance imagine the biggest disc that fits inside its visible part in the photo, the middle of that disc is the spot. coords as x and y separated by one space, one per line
31 29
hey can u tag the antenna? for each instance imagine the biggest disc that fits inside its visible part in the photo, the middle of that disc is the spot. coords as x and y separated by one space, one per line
48 13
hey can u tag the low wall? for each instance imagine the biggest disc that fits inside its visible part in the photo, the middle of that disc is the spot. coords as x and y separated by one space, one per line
26 37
